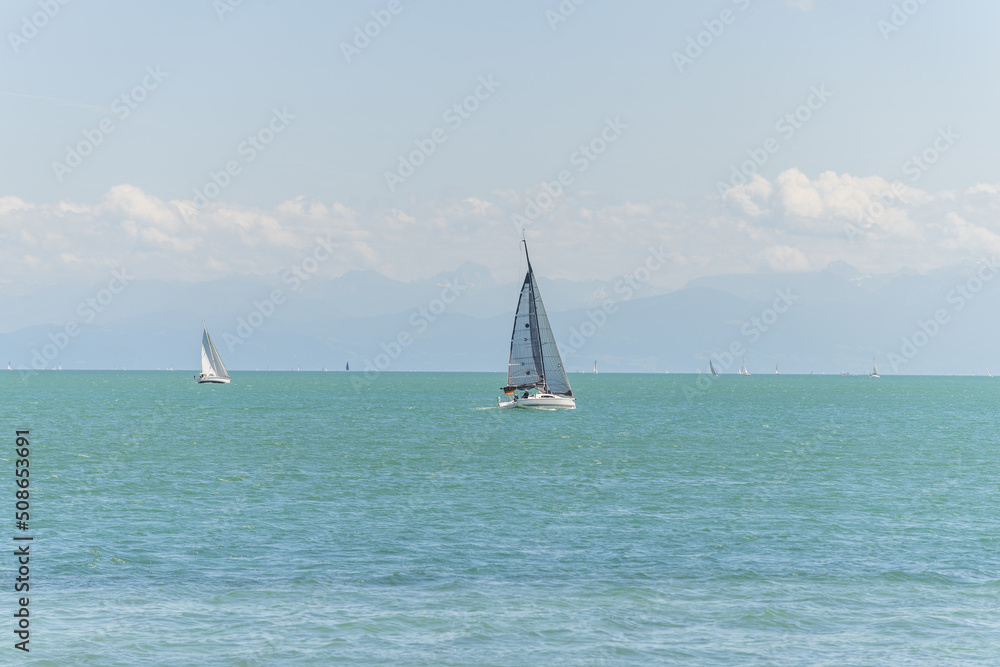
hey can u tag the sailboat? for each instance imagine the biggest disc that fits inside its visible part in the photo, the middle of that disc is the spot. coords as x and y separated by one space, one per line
712 368
874 373
348 367
212 368
743 370
595 368
987 371
535 364
776 370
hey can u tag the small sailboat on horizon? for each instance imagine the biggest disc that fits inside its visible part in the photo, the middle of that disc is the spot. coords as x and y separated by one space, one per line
213 371
743 369
776 370
535 364
712 368
595 368
874 373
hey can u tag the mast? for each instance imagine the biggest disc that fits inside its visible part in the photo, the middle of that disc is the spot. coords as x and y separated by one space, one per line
536 341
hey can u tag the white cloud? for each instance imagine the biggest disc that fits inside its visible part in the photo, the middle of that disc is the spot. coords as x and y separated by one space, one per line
825 204
786 258
753 197
791 223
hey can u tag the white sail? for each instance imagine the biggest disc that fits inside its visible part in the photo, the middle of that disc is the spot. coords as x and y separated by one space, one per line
874 373
712 368
211 362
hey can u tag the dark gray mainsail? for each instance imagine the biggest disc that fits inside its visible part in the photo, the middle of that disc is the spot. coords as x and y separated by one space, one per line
534 355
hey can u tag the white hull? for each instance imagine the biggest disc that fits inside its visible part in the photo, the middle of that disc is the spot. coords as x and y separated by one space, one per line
212 380
540 401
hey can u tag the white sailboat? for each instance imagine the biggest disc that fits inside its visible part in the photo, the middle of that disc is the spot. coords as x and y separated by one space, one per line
212 369
535 366
874 373
743 370
595 368
987 371
776 370
712 368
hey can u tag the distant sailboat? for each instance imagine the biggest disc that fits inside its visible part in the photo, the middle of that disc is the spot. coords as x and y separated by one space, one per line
987 370
743 369
712 368
874 373
535 364
595 368
776 370
348 367
212 369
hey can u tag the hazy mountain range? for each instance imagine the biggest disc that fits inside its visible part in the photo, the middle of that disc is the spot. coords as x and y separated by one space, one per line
834 320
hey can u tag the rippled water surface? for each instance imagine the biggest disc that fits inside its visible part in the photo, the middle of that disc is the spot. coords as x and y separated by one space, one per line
300 518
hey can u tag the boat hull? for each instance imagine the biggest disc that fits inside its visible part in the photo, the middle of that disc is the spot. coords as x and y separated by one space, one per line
213 380
541 402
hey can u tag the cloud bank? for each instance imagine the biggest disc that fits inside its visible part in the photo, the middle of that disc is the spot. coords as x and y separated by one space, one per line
788 224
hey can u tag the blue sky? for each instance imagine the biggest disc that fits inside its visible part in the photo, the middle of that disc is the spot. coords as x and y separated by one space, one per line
891 94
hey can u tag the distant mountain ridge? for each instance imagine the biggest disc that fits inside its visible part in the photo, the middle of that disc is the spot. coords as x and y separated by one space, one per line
837 320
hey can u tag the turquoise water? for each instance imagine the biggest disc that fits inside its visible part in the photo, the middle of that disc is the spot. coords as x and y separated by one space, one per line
294 518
